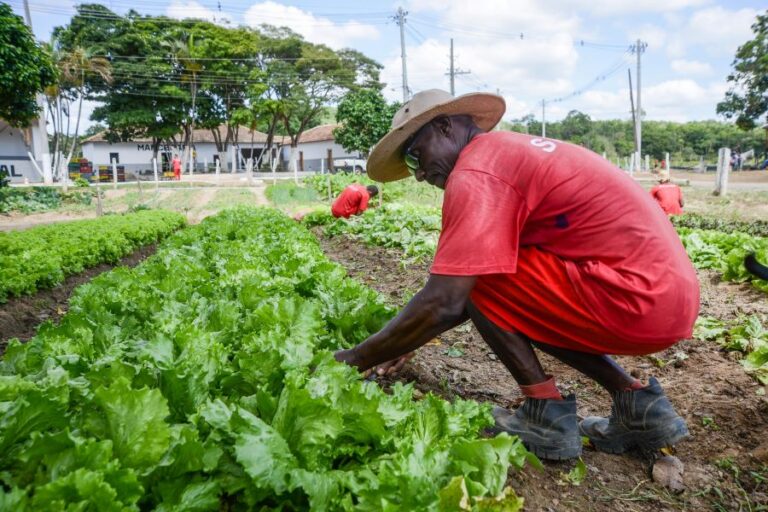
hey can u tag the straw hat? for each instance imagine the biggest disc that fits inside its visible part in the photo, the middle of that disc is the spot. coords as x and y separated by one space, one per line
664 176
386 160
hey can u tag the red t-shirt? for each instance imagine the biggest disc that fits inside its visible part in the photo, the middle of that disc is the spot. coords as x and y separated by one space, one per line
351 201
622 254
669 196
176 164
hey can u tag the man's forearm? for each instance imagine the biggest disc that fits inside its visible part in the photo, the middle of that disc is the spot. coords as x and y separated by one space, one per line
420 321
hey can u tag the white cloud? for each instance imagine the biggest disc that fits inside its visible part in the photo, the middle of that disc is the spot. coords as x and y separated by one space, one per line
721 27
690 67
315 29
181 9
487 42
604 8
716 30
671 100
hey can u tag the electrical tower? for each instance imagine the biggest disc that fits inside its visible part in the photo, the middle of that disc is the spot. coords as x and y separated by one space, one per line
400 20
453 71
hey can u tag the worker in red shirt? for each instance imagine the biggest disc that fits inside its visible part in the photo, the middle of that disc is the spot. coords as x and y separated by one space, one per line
668 195
537 255
176 167
353 200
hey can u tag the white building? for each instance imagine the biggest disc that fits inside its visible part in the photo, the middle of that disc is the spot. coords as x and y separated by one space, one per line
136 155
313 148
14 157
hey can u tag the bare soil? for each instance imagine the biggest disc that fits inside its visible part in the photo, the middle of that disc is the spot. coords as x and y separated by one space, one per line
20 316
726 410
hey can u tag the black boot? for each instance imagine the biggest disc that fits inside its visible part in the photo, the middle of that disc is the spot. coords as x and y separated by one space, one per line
548 428
642 418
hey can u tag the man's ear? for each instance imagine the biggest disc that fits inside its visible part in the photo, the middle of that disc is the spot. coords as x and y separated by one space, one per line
443 124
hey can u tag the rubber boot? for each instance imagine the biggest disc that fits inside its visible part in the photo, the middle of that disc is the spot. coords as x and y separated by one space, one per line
642 419
548 428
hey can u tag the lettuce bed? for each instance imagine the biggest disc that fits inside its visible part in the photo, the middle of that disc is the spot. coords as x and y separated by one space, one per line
203 379
42 257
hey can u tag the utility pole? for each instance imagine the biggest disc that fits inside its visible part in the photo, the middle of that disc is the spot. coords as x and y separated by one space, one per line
638 49
38 130
543 118
453 72
632 104
400 20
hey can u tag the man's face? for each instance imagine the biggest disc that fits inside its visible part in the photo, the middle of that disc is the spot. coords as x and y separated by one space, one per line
435 150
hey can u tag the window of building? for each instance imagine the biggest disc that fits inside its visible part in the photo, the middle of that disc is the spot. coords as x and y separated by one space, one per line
115 157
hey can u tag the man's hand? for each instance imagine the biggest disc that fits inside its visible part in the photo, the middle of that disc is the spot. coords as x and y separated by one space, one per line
388 368
391 367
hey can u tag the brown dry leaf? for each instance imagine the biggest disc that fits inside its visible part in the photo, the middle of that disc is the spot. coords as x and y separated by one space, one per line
435 341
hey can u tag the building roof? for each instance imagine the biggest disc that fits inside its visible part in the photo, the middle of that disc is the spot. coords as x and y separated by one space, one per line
319 133
203 135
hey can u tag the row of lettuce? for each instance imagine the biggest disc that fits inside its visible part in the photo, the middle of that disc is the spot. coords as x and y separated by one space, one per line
44 256
414 230
40 199
203 379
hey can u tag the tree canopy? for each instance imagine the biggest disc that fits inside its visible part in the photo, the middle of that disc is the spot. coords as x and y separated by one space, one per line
170 75
747 98
687 141
26 67
365 118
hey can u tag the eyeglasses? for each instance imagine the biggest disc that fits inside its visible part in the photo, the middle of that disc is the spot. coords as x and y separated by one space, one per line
411 161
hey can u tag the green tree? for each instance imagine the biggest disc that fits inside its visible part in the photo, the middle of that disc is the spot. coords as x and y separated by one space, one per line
365 118
575 126
72 65
747 99
25 70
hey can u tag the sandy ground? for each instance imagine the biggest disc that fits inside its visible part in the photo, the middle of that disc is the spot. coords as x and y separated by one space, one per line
726 410
164 198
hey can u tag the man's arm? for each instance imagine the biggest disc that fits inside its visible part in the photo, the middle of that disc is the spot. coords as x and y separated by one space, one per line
439 306
363 205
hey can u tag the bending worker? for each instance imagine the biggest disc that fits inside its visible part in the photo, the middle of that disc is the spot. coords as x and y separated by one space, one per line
353 200
539 256
668 195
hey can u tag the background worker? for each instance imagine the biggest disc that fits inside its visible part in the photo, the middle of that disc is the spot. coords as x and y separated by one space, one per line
668 195
353 200
176 166
538 257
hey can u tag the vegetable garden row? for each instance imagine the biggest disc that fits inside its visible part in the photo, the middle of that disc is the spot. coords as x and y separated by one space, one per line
203 379
42 257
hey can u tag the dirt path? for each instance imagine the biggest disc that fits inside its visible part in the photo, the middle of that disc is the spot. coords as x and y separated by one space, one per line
20 221
20 317
726 411
260 192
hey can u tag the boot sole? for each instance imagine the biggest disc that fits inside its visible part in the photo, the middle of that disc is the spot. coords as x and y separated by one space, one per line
645 440
554 453
543 452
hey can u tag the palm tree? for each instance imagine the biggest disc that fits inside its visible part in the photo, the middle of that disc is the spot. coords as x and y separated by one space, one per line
74 66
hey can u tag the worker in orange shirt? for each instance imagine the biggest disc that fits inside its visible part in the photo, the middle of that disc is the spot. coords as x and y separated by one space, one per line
353 200
668 195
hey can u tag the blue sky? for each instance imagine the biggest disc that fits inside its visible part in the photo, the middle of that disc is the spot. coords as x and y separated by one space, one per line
528 50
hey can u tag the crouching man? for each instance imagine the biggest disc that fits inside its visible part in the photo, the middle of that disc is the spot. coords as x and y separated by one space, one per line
544 245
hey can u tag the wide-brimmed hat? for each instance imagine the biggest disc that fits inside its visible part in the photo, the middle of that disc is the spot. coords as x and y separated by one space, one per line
386 160
663 176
